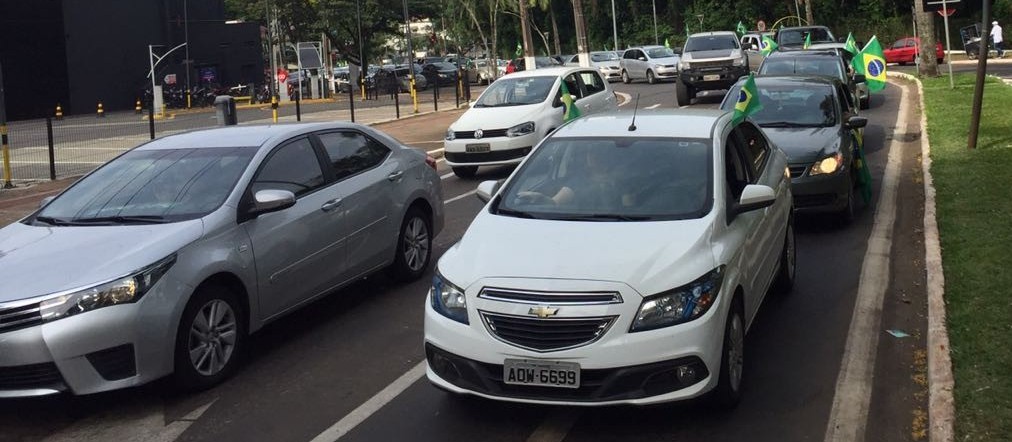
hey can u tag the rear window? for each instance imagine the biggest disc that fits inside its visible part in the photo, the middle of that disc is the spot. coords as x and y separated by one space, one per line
787 37
825 66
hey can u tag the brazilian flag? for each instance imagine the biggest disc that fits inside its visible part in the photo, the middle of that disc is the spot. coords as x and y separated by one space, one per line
871 62
741 28
851 44
572 112
748 101
520 49
768 46
686 29
808 41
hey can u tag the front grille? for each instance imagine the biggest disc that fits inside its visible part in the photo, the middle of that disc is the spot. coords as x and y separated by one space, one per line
552 334
711 64
114 363
26 377
19 317
486 133
797 171
552 298
485 157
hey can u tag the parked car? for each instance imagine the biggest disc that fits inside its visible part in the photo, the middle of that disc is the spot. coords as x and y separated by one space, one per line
402 73
751 43
826 62
164 259
440 73
631 260
813 121
794 37
651 63
487 70
608 62
905 51
710 61
516 112
856 81
520 64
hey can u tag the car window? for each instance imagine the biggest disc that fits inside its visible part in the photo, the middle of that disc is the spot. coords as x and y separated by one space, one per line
592 82
175 184
518 91
755 146
911 43
711 43
828 66
603 56
791 105
573 85
847 98
660 52
797 36
350 153
293 167
736 169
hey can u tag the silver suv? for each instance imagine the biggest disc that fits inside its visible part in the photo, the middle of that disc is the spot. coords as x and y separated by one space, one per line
710 61
651 63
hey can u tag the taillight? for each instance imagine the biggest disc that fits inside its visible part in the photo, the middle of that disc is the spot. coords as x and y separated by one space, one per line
431 161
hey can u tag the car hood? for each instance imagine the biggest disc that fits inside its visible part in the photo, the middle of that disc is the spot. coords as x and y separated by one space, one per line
609 63
707 55
805 144
648 256
665 60
497 117
37 261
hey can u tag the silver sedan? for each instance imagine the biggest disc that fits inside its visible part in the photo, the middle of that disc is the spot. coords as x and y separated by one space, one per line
164 259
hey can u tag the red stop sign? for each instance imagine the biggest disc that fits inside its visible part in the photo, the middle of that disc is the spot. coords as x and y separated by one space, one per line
282 75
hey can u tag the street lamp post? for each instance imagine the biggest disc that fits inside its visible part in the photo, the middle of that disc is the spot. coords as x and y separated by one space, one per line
186 60
654 3
361 52
411 58
700 17
614 27
156 93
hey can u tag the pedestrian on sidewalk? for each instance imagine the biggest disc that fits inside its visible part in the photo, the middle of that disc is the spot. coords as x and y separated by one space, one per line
997 38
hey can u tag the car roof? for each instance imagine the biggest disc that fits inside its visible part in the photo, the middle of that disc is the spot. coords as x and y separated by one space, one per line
806 53
794 79
668 123
549 71
240 136
713 33
802 28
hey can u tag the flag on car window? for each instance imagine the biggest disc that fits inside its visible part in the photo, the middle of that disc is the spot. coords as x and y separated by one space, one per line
741 28
520 49
851 44
571 112
686 29
748 101
871 63
808 41
667 44
767 46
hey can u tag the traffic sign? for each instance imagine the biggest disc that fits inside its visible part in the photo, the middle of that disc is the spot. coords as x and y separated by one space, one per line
946 12
282 75
170 79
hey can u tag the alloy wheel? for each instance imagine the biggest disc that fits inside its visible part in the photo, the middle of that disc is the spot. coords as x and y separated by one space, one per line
416 244
736 352
213 336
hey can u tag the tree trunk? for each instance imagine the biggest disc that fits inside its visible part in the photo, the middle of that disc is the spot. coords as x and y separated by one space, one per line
525 30
474 18
555 30
928 65
581 33
808 12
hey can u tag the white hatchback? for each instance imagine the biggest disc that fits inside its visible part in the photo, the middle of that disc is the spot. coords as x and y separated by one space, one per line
622 262
516 112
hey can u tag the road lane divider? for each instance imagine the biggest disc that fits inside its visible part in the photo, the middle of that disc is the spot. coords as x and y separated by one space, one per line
625 98
460 197
371 406
653 106
556 426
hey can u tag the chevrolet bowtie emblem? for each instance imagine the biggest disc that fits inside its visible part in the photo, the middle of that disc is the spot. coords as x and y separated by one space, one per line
543 312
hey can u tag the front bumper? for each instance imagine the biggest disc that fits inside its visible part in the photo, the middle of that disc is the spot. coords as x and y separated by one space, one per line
105 349
666 72
712 78
616 368
611 74
820 193
501 151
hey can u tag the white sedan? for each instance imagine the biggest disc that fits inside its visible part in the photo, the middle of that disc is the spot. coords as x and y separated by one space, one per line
621 263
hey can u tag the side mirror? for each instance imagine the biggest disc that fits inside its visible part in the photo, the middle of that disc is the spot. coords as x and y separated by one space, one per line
270 200
754 197
45 201
642 59
754 47
486 189
860 78
856 122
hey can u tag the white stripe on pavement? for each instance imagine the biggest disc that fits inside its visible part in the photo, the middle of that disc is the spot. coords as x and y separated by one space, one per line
625 98
460 197
848 418
654 106
371 406
556 426
446 176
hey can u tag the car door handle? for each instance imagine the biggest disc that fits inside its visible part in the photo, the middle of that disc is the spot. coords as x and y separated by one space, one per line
396 175
331 205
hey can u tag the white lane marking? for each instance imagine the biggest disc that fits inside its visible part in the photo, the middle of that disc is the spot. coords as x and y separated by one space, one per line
654 106
443 177
556 426
371 406
435 151
683 107
848 418
460 197
626 98
130 422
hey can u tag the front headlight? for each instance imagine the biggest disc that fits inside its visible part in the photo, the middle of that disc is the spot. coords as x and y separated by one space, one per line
448 300
679 305
123 290
828 165
450 136
683 65
520 129
740 61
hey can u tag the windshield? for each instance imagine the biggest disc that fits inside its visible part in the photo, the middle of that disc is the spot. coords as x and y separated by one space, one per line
711 43
509 91
612 179
828 66
660 52
444 66
603 56
160 185
788 37
792 105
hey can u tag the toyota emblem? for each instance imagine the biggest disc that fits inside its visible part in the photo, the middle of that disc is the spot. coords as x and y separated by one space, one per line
478 134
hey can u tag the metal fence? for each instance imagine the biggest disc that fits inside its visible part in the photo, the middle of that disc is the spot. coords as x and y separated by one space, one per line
50 148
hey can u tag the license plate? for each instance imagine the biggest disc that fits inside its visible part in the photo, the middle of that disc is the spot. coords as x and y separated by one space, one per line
711 77
541 373
477 148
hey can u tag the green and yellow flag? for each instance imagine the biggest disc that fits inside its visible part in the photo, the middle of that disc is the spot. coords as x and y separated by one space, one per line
871 62
686 29
572 112
741 28
666 44
520 49
767 46
851 44
748 101
808 41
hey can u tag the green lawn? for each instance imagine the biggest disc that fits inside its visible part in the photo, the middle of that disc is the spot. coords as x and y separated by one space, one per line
974 197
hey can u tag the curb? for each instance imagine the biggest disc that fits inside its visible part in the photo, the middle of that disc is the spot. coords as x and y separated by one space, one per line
941 406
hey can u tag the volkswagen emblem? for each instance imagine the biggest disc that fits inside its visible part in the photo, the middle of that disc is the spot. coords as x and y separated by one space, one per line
543 311
478 134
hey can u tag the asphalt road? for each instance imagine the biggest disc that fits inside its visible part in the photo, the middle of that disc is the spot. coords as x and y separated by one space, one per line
311 369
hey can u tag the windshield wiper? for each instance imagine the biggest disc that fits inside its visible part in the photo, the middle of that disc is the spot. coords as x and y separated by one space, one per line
515 213
788 124
135 219
604 217
51 221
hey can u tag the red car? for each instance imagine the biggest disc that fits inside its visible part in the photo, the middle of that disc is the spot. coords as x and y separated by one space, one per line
904 50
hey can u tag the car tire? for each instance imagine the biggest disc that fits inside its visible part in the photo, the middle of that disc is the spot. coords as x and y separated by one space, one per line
727 393
625 77
682 94
650 77
196 350
414 246
788 266
465 171
849 212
